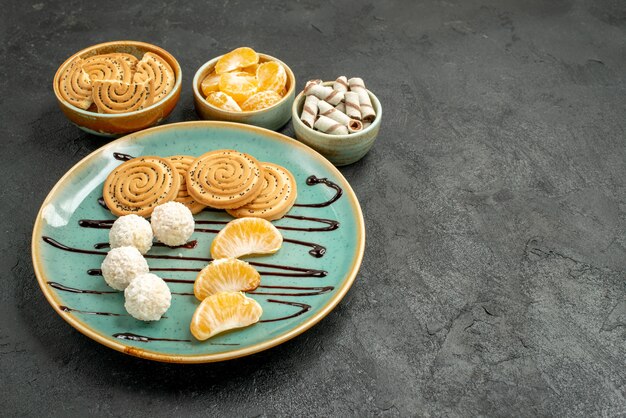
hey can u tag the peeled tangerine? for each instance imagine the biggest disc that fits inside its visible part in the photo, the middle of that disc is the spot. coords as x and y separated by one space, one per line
223 101
261 100
226 275
239 87
223 312
210 83
235 59
246 236
271 76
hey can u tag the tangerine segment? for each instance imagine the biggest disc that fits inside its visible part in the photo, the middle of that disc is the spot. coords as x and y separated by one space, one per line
210 83
237 86
223 101
226 275
246 236
271 76
237 58
261 100
250 69
222 312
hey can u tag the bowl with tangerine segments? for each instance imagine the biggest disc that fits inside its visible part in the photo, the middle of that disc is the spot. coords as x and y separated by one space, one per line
118 124
271 117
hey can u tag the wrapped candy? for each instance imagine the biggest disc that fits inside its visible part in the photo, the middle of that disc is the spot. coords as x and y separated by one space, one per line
341 107
355 126
330 126
309 111
367 111
353 106
323 93
326 109
341 84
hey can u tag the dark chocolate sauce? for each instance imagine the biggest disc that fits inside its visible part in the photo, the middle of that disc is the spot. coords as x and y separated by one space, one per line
312 180
316 250
142 338
63 247
332 224
66 309
64 288
302 271
303 308
102 203
188 245
122 157
96 223
314 290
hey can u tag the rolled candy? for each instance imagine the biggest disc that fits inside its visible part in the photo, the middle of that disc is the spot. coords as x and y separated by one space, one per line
341 84
326 109
341 107
330 126
309 111
355 126
367 111
324 93
353 107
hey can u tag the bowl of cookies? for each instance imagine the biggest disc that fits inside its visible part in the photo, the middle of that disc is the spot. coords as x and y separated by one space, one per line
246 87
339 119
115 88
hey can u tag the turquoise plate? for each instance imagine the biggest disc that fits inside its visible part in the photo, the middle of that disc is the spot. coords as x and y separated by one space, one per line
299 284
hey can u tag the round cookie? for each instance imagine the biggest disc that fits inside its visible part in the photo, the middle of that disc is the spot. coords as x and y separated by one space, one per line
139 185
276 198
181 163
153 67
224 179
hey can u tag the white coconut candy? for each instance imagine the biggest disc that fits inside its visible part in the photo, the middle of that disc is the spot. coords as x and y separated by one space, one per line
353 107
330 126
341 84
309 111
326 109
367 111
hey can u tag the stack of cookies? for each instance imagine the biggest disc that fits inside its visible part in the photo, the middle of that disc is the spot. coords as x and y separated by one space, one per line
222 179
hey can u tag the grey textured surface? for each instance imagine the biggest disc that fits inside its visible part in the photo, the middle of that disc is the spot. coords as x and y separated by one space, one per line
494 200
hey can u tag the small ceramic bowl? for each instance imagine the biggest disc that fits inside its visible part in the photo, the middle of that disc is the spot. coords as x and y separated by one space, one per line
114 125
338 149
273 117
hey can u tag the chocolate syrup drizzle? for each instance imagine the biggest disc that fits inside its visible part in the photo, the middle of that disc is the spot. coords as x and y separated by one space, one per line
189 245
313 180
314 291
122 157
144 339
317 250
297 271
303 309
286 271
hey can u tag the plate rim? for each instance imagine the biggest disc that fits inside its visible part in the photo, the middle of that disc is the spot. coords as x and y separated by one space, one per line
213 357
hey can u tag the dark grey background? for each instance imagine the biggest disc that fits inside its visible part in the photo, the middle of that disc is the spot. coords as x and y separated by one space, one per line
493 280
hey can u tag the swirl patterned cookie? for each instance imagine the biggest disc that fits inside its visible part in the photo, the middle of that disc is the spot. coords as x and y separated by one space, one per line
277 196
224 179
139 185
153 67
181 163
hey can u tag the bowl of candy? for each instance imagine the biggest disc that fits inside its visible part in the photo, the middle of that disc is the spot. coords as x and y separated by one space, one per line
119 87
339 119
246 87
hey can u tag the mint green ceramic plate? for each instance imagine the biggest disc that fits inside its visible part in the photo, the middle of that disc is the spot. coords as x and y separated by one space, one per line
298 287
